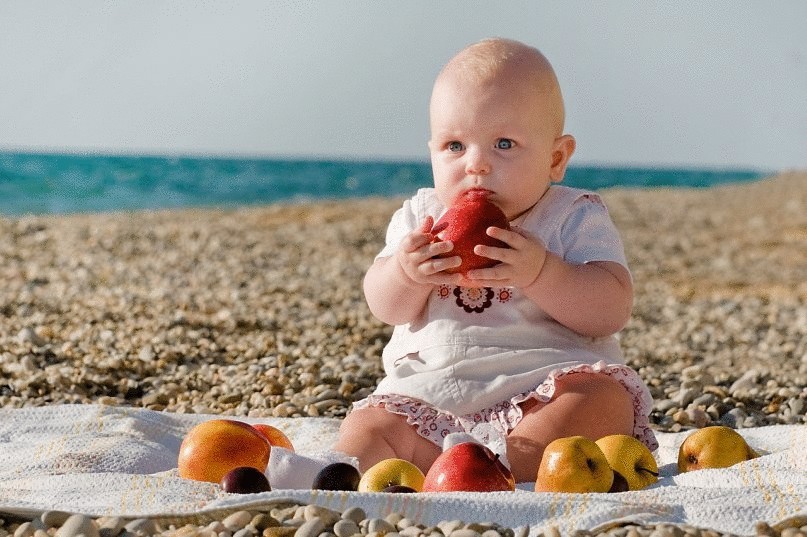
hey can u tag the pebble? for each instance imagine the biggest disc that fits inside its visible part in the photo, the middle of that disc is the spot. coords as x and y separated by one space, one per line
76 525
237 520
310 528
141 526
345 528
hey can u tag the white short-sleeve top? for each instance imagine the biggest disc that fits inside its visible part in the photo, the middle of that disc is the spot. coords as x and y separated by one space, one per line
472 348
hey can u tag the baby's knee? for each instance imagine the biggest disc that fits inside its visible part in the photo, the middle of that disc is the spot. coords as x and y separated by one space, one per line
372 420
600 391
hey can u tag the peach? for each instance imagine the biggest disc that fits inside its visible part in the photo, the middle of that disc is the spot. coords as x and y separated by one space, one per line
214 447
275 436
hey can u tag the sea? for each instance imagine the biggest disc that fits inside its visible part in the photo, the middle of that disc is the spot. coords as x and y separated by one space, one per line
48 183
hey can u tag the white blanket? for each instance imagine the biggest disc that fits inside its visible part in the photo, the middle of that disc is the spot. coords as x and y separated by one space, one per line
101 460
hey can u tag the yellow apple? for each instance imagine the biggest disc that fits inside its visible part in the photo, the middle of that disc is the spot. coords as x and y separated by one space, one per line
574 464
717 446
391 472
628 456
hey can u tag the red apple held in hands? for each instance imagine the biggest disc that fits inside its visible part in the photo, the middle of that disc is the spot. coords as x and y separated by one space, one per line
465 224
468 466
213 448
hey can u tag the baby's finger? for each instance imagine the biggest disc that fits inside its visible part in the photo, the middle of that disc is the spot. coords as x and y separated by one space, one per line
488 277
439 264
492 252
427 226
512 238
414 241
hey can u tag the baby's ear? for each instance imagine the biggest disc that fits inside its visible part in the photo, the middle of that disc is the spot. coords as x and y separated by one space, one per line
561 153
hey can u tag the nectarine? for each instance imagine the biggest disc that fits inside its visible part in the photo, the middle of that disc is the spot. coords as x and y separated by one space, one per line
214 447
275 436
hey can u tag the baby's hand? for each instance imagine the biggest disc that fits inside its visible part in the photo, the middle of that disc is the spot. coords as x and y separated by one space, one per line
416 256
518 266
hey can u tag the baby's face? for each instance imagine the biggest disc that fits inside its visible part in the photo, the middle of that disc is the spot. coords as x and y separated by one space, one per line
494 136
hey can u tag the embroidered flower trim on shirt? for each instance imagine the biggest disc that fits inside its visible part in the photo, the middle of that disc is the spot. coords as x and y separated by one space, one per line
474 299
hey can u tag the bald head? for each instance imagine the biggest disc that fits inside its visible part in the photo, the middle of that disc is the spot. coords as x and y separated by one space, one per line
511 63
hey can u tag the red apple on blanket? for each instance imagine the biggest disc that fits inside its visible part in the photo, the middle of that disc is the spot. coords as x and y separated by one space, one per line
468 466
213 448
574 464
713 447
275 436
465 224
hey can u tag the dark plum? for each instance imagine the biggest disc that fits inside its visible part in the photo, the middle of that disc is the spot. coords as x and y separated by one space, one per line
337 476
245 480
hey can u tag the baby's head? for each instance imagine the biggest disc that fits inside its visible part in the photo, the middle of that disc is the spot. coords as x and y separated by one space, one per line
497 120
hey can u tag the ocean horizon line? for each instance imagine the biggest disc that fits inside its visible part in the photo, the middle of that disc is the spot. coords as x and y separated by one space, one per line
58 183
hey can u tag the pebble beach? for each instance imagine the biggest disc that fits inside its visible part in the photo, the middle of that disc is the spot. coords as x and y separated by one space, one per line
259 312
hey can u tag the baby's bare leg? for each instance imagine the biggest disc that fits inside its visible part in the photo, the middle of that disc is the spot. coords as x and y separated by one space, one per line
585 404
373 434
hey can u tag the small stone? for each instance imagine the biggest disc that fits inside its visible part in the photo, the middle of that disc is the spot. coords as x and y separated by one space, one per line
310 528
246 531
464 532
54 519
279 531
356 514
237 520
449 526
698 416
379 525
27 529
110 526
78 525
747 381
216 527
261 521
28 335
681 417
346 528
327 516
393 518
411 531
141 526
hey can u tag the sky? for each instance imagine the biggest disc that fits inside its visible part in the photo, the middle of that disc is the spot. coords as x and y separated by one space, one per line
689 83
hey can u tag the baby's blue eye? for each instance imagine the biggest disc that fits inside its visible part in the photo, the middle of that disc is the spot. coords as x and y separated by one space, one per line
455 146
504 143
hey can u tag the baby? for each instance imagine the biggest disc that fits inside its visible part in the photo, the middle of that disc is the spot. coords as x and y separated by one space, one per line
525 350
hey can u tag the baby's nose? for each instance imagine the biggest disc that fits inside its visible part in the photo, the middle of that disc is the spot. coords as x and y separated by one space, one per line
477 163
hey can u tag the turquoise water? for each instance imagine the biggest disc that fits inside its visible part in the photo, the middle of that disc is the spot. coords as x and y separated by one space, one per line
56 184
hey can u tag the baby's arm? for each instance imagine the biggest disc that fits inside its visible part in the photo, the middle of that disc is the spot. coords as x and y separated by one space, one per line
397 287
593 299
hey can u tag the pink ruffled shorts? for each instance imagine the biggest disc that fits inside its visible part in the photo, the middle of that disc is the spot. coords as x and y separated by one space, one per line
434 424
